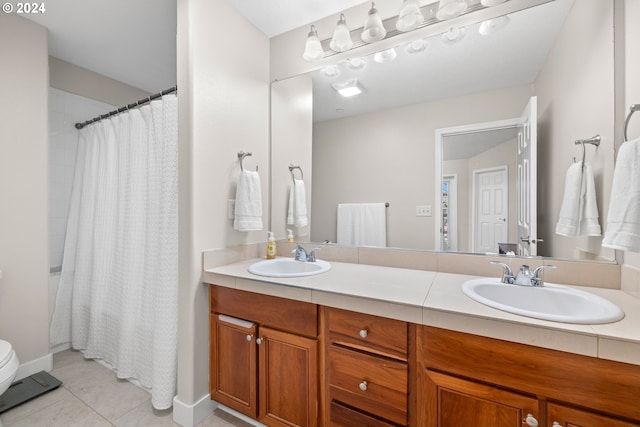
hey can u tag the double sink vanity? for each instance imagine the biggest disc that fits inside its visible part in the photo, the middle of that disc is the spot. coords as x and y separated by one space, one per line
319 343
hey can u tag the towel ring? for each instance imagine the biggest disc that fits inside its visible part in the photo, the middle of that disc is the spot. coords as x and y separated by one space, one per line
632 109
241 156
292 168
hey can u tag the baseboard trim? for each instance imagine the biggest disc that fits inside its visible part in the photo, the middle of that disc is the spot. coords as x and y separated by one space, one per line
191 415
44 363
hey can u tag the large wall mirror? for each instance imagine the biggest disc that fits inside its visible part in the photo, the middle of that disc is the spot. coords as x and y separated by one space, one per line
395 142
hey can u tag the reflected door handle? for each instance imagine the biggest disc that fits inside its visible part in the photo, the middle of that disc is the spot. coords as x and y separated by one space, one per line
502 219
526 240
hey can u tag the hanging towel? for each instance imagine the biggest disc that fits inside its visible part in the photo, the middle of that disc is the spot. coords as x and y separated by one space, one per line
623 220
297 214
579 210
248 210
362 224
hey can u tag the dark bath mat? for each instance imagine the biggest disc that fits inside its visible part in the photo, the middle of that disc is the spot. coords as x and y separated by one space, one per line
28 388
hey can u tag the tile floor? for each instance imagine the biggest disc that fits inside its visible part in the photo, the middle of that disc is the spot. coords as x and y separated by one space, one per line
92 396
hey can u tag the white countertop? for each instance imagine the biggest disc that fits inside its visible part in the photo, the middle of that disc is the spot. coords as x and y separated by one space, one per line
436 299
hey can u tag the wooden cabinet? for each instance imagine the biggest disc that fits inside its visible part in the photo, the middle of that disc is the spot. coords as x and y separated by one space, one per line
559 415
466 379
264 357
455 402
368 370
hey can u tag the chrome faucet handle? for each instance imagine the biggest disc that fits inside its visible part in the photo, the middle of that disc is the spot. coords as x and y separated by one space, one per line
312 255
507 274
536 280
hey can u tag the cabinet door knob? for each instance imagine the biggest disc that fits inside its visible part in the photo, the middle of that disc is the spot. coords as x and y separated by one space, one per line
258 341
363 333
556 424
249 337
363 386
530 421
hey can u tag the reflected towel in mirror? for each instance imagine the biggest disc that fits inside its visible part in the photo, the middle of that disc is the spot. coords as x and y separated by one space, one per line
362 224
297 214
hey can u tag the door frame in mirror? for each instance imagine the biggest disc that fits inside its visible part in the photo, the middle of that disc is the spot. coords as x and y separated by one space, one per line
441 134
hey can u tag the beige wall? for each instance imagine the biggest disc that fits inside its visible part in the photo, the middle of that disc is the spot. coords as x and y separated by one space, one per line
80 81
388 156
576 101
24 251
223 78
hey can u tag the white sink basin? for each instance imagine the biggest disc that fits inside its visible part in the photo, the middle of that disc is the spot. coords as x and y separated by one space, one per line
288 267
549 302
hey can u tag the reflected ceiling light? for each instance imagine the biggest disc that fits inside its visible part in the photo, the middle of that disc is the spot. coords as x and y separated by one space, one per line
341 40
385 56
410 16
356 63
491 26
313 48
448 9
489 3
331 71
373 30
417 46
348 88
454 35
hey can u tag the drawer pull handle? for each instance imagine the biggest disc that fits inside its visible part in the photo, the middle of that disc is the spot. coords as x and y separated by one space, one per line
363 333
258 341
363 386
249 337
530 421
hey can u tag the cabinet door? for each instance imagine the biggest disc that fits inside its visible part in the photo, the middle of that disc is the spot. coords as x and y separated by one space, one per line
288 379
233 364
453 402
566 416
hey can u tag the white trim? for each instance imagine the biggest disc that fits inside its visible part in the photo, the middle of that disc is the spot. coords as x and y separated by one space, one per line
191 415
44 363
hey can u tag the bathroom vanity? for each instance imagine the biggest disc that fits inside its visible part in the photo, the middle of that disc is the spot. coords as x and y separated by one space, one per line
381 346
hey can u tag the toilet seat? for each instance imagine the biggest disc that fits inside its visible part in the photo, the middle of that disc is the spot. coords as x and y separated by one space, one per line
6 351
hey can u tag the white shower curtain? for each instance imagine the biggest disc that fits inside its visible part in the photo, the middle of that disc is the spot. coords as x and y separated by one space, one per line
118 294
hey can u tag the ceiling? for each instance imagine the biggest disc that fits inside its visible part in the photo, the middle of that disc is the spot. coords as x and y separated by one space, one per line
135 41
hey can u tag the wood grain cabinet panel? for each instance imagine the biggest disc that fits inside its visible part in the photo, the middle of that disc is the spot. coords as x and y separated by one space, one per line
566 416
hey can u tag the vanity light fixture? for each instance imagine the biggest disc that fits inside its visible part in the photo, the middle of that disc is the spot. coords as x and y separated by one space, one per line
373 30
313 49
448 9
341 40
383 56
410 16
494 25
417 46
331 71
356 63
454 35
348 88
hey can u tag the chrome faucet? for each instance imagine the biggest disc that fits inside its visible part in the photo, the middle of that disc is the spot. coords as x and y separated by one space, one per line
525 276
301 254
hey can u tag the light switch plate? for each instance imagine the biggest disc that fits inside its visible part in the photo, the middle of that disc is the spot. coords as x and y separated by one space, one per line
423 210
231 209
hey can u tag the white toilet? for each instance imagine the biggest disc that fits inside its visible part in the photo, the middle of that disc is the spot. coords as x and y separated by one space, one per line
8 365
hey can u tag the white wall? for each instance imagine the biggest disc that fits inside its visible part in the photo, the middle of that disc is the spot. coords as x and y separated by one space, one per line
223 79
576 101
24 249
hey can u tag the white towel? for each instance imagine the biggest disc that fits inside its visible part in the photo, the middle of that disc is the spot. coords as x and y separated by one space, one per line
362 224
248 210
623 220
297 214
579 210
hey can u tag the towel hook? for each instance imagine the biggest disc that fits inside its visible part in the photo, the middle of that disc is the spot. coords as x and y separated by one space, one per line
594 140
292 168
632 109
241 156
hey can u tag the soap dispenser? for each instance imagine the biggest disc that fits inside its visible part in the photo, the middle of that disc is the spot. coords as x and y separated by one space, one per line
289 236
271 246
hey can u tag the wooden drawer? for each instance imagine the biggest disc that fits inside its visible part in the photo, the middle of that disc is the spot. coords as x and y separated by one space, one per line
287 315
343 416
386 383
383 336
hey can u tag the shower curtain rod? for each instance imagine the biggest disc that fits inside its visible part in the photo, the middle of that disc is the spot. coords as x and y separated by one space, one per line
128 107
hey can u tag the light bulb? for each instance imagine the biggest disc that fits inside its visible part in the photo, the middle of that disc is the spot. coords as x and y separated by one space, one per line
373 30
341 40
